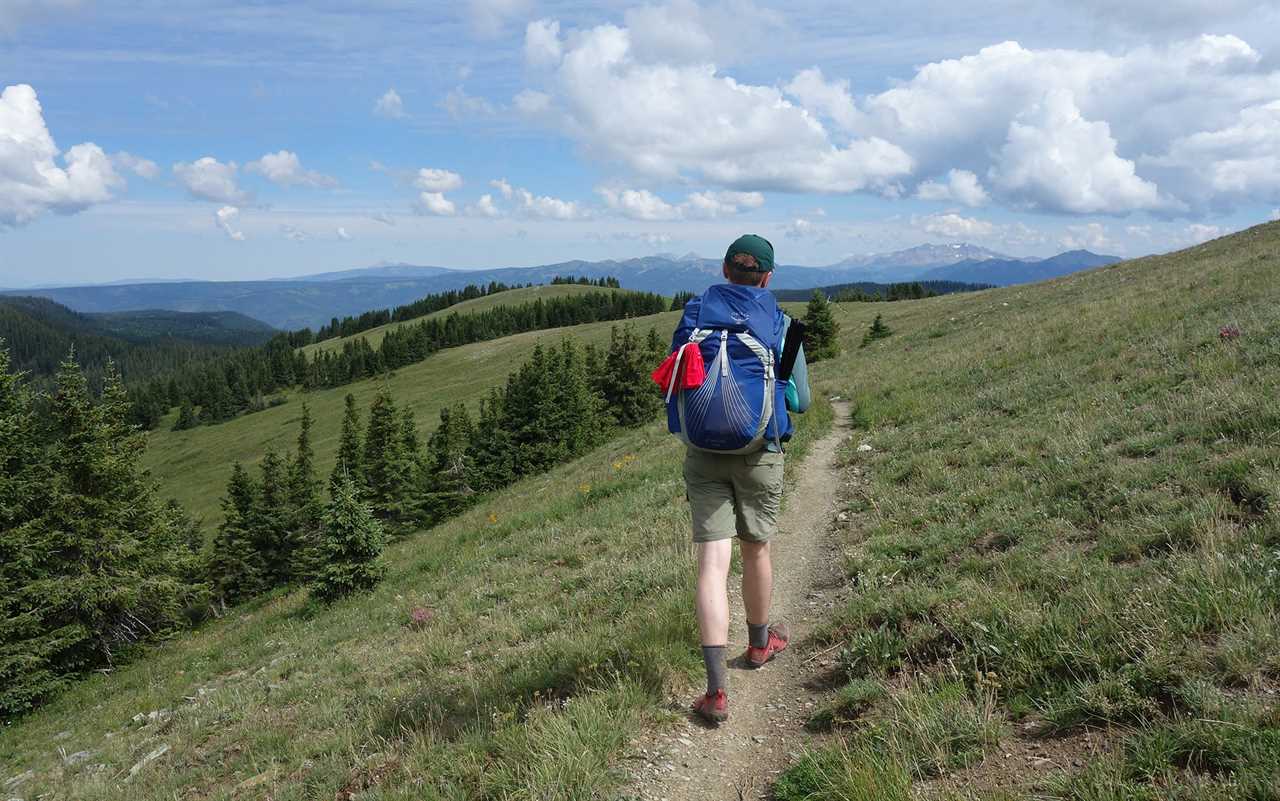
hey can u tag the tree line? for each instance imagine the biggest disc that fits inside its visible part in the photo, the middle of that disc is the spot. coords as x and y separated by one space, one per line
608 282
429 304
558 404
93 564
218 390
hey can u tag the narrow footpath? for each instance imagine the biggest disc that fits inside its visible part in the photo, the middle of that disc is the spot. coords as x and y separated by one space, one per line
767 707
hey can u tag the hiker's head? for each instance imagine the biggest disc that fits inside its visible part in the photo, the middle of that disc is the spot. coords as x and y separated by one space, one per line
749 261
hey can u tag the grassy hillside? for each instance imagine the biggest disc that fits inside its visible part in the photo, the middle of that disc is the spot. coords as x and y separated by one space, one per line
1065 568
1063 560
511 297
192 466
557 617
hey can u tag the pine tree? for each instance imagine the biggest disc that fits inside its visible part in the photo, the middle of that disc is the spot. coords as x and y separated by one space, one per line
449 465
386 465
30 650
821 329
492 459
529 409
878 330
350 463
235 565
628 391
351 544
272 518
579 419
304 501
116 579
186 416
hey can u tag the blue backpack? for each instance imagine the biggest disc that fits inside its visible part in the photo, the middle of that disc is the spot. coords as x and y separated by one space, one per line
738 330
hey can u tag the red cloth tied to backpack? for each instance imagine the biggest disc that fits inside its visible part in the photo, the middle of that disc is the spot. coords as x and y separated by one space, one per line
683 369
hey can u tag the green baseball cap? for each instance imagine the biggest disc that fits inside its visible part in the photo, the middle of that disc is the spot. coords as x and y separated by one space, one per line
753 245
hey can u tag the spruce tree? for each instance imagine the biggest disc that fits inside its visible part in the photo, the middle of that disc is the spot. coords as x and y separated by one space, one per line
492 459
304 500
235 565
350 545
878 330
628 391
30 650
578 410
449 464
386 473
529 414
186 416
272 518
349 463
116 579
821 329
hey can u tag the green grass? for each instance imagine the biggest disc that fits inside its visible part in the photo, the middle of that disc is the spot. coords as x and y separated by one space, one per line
511 297
1072 500
193 466
562 619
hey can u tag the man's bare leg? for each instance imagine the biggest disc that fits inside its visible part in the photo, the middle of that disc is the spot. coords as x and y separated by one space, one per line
711 604
757 582
711 599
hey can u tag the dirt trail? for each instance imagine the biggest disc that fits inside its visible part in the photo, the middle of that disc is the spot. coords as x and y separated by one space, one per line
767 707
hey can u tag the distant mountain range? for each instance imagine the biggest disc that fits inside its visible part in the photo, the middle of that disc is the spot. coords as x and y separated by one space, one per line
39 333
312 300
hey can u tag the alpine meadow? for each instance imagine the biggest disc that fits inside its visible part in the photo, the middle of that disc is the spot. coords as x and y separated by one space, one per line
1059 548
652 400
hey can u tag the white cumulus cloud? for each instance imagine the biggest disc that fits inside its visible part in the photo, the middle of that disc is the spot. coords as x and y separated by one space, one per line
435 203
1055 159
143 168
547 207
542 43
225 218
954 226
1090 236
31 180
342 234
961 186
640 204
1199 232
722 204
502 186
429 179
209 179
687 120
285 169
484 207
390 105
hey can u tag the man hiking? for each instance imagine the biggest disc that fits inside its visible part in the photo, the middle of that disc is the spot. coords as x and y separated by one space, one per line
734 376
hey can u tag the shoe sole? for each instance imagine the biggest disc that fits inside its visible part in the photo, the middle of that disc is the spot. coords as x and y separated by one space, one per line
758 665
713 717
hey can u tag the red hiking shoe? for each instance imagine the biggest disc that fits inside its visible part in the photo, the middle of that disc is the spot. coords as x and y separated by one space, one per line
712 708
779 635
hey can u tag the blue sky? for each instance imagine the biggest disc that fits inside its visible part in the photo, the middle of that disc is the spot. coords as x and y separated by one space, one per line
233 140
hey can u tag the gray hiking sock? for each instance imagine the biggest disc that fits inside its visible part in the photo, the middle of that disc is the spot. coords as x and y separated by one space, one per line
758 634
713 656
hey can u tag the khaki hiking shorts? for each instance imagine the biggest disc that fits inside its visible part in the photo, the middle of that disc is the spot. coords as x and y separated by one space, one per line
733 494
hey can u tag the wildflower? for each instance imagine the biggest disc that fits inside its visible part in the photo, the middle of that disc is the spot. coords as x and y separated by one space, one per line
420 616
493 518
1229 332
584 488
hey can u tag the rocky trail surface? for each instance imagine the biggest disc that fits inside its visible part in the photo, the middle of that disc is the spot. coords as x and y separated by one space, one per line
768 707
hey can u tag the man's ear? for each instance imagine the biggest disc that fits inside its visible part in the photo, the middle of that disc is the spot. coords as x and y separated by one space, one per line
767 278
724 270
